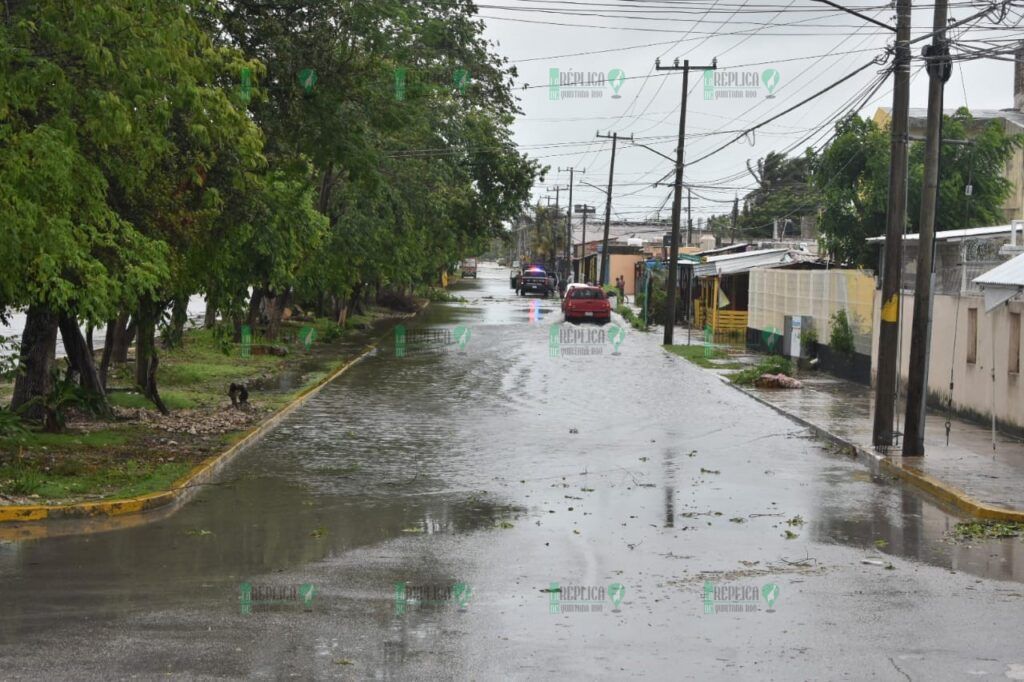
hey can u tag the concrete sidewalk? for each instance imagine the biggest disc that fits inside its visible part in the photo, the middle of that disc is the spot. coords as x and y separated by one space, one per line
967 472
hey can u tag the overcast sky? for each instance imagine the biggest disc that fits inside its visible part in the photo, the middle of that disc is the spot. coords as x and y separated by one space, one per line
809 45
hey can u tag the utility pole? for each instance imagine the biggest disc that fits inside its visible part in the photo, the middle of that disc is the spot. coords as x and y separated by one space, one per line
568 222
584 209
554 230
896 216
735 215
673 252
689 219
605 260
939 70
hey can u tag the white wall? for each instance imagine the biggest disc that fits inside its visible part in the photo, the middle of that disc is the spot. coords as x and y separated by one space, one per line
972 383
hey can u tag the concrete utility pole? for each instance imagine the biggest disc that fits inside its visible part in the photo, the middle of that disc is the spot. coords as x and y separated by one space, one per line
605 260
673 252
568 221
896 216
939 70
584 209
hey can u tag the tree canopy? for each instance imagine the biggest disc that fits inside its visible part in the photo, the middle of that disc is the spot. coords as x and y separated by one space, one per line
253 152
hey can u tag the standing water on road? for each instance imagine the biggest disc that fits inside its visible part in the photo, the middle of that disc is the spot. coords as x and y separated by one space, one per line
494 494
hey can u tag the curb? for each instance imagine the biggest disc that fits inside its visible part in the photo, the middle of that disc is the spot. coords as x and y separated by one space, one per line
943 492
184 488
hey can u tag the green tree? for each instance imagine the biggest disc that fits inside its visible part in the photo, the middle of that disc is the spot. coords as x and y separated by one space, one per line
852 176
784 191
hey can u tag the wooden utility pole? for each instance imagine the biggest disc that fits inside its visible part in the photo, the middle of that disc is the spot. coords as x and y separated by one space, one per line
689 218
896 217
735 215
568 221
939 70
670 321
605 260
557 189
584 209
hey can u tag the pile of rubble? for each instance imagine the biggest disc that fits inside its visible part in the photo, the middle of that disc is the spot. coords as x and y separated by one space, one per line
221 419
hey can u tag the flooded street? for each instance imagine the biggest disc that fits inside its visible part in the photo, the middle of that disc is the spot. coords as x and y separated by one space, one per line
497 495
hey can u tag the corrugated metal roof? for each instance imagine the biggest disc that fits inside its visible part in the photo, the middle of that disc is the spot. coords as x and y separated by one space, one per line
1009 274
955 234
741 262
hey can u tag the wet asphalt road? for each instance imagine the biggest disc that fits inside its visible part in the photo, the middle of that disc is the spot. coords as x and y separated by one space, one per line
480 473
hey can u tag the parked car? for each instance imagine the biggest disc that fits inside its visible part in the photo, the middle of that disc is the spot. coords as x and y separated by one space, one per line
469 267
568 288
534 280
584 302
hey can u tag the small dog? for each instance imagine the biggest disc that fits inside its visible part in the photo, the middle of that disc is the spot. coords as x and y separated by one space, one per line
239 395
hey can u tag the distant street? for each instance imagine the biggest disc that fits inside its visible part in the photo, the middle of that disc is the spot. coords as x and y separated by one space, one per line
492 500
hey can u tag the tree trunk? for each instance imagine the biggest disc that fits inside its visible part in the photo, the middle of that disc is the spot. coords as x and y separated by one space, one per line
79 357
255 303
210 315
38 343
108 350
88 339
275 310
145 354
123 333
355 305
176 329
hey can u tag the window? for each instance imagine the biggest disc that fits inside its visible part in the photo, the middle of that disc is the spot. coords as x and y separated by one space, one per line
972 336
1014 362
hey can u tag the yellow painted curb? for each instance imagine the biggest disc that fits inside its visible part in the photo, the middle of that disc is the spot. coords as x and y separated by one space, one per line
944 492
185 487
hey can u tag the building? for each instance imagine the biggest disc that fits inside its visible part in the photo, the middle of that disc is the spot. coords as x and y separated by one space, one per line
723 286
1012 121
791 312
974 355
